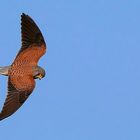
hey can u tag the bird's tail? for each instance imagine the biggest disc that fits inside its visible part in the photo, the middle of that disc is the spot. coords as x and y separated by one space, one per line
4 70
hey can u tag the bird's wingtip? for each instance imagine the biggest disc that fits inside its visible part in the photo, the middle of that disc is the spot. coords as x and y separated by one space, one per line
23 15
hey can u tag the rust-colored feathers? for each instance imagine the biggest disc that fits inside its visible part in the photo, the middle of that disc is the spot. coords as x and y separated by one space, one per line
20 79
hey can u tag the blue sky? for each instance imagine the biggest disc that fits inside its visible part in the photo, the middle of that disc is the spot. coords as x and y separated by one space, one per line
92 87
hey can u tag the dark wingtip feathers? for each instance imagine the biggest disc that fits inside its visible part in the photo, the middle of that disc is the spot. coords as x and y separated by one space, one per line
31 33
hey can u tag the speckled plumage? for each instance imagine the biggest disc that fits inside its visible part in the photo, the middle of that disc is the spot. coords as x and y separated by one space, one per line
21 81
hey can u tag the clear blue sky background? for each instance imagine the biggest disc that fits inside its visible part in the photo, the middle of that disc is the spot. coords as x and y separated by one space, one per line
92 87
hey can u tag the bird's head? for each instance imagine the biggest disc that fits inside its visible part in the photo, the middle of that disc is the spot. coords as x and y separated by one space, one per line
38 72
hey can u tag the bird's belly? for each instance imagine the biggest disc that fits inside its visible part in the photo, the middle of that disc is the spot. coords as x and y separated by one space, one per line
20 70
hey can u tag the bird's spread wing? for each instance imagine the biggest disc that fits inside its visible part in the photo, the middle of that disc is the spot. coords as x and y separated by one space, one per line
33 44
16 97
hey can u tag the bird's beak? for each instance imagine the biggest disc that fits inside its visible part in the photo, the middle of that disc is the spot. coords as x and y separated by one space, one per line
39 76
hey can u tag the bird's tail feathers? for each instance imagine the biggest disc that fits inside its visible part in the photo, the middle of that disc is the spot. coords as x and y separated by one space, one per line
4 70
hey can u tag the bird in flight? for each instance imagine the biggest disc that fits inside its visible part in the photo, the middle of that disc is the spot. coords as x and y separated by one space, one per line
24 69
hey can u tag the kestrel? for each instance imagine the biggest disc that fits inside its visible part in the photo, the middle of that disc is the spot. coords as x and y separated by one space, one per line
24 70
